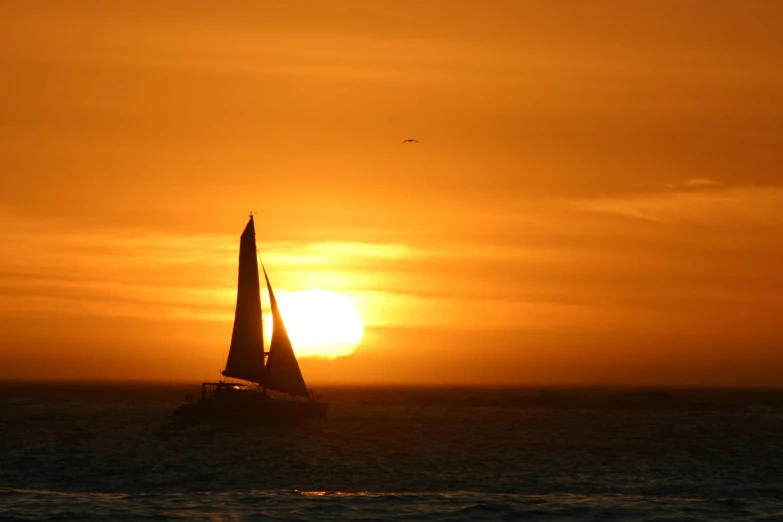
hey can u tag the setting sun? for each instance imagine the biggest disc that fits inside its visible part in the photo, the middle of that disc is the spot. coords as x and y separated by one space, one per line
320 323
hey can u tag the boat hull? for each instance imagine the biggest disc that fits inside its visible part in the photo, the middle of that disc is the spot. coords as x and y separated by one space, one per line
254 408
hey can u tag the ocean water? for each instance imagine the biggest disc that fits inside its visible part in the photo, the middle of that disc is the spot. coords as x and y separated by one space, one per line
114 452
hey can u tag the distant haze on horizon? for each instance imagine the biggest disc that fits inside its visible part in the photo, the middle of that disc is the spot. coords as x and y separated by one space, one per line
596 197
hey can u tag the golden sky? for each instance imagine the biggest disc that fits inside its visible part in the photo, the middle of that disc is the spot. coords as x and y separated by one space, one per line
596 197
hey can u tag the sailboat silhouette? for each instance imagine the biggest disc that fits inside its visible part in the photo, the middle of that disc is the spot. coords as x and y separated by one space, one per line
276 370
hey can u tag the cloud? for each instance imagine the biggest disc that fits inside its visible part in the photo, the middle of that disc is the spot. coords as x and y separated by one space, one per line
694 183
67 268
345 253
747 205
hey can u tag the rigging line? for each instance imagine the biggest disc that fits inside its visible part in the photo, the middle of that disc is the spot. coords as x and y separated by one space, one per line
260 304
263 348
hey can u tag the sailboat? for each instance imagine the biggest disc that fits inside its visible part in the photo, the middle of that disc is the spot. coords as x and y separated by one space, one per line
276 370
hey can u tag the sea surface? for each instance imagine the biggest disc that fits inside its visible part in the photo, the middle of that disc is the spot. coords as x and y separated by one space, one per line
115 452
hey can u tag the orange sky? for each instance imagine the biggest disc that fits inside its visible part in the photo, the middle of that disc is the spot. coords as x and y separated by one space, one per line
596 197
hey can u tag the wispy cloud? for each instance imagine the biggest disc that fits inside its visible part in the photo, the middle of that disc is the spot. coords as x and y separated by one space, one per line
755 205
693 183
335 252
67 269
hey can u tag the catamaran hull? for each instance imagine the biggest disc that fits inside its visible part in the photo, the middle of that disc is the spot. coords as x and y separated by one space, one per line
255 412
276 370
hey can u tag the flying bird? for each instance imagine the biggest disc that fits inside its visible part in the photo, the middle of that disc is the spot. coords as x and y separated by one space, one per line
410 140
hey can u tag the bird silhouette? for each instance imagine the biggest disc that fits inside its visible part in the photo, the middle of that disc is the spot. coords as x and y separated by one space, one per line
410 140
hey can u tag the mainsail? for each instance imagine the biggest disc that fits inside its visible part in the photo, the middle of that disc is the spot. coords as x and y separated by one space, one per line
282 370
246 355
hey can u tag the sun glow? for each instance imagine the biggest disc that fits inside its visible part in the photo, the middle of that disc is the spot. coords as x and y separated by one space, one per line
320 323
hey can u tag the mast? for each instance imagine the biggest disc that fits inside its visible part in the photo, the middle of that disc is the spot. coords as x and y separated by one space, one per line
282 369
246 355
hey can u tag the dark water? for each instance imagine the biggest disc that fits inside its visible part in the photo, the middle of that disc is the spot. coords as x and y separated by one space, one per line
115 453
